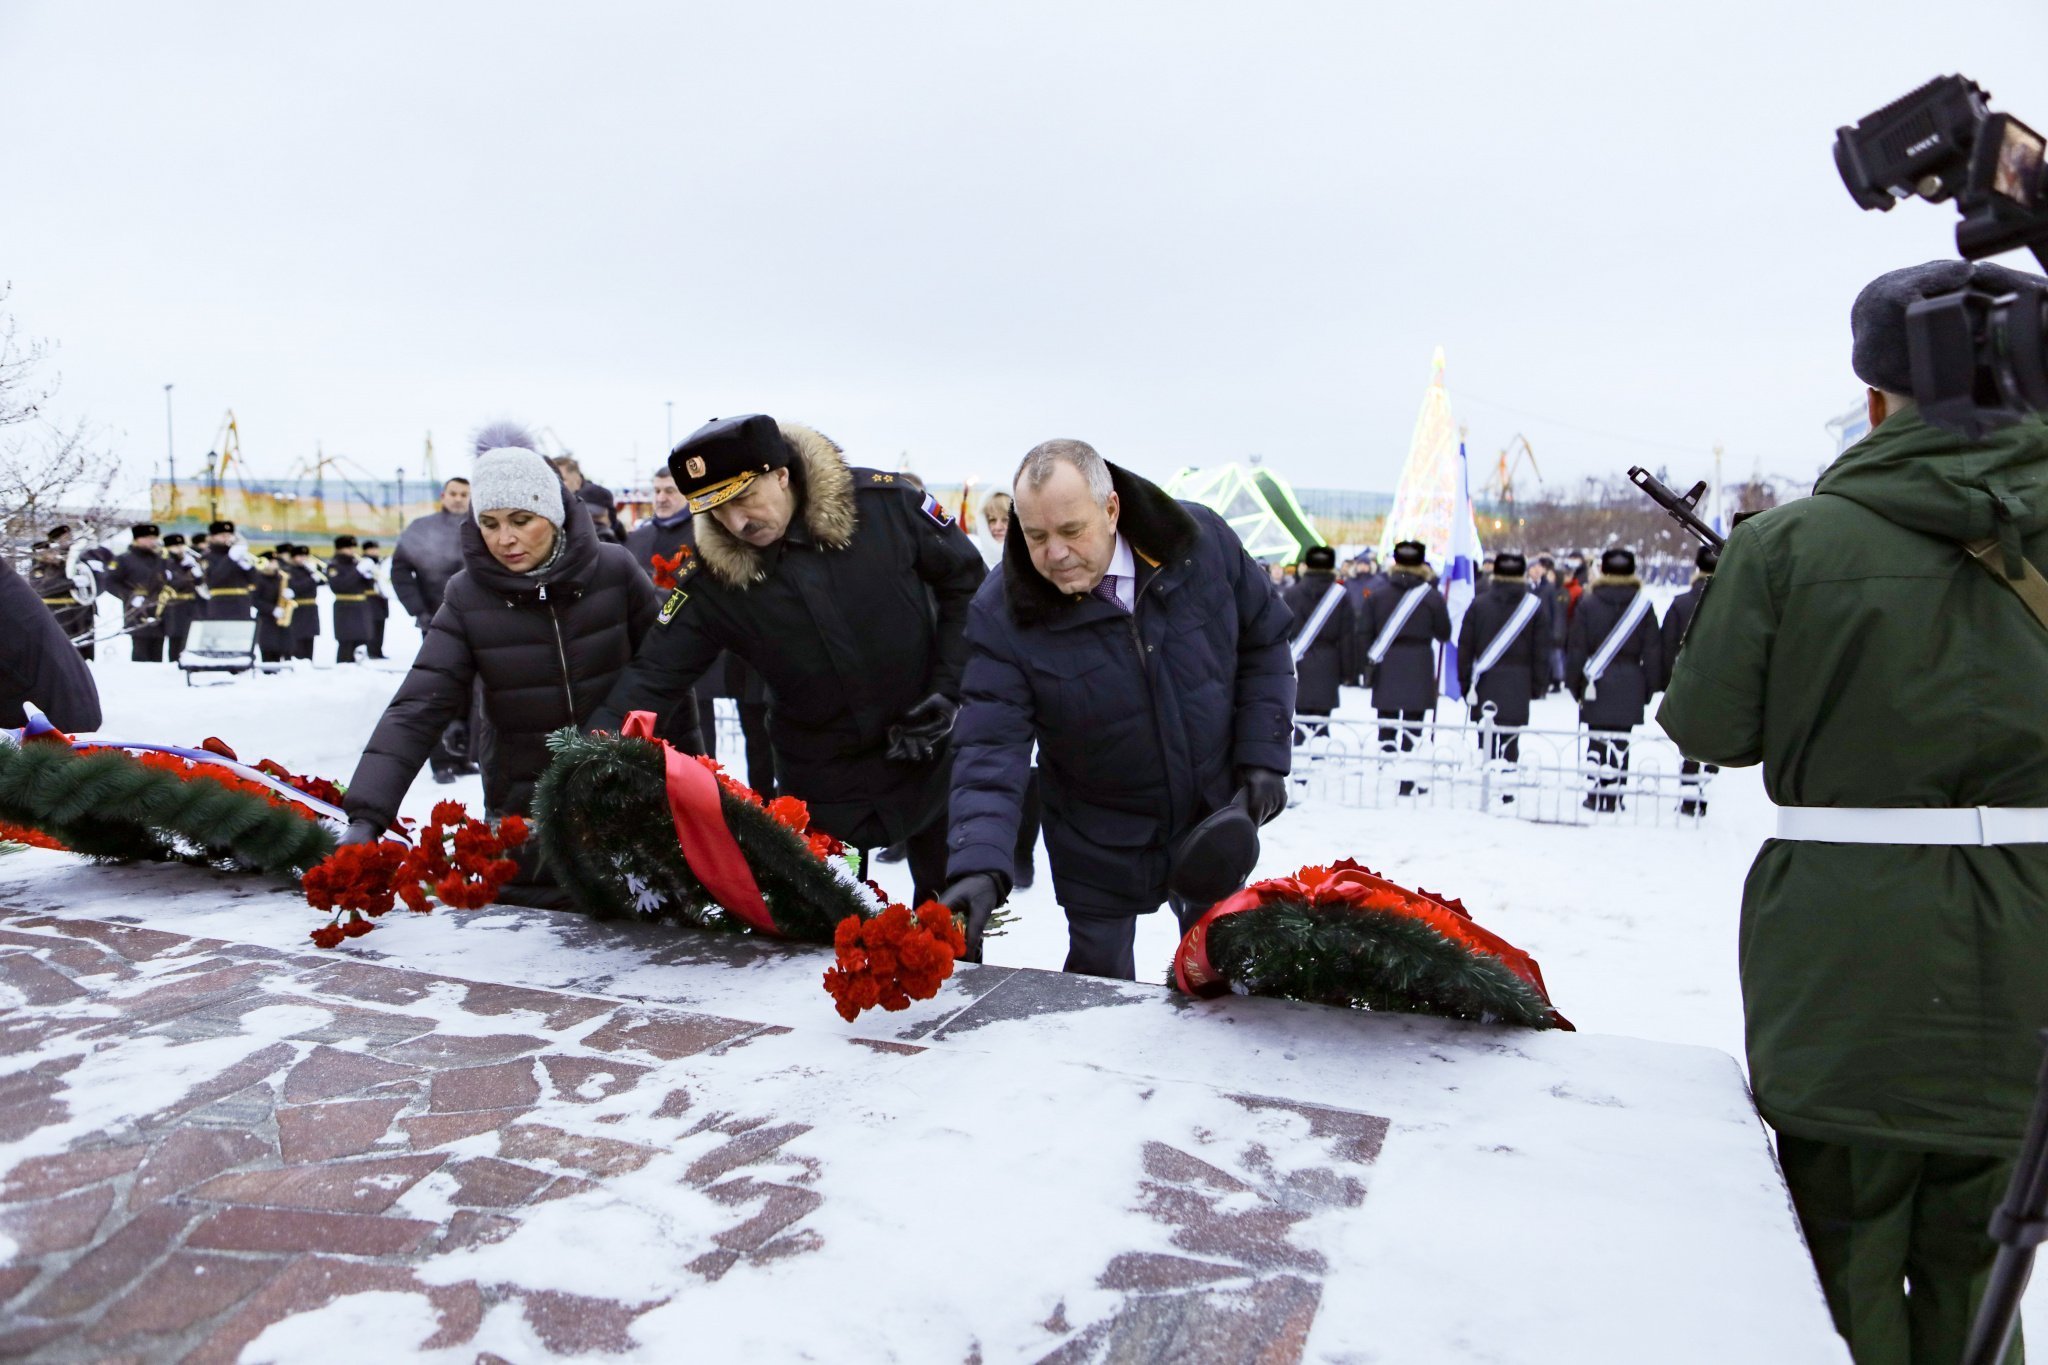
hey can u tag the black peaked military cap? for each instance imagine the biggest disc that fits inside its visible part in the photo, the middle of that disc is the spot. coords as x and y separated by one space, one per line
1508 564
1618 563
1877 320
716 462
1320 557
1410 552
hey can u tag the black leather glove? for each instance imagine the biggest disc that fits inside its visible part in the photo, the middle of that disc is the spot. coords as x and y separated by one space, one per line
916 735
975 897
1264 793
360 832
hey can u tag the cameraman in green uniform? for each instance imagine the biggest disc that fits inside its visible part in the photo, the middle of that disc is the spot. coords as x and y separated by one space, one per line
1894 939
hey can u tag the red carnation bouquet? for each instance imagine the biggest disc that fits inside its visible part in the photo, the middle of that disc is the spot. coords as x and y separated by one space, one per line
892 959
458 861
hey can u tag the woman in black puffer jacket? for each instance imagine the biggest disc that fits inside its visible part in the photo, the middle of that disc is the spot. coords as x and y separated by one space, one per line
542 614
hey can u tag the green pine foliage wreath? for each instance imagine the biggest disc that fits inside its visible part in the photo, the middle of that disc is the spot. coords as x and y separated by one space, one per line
602 825
1360 958
104 804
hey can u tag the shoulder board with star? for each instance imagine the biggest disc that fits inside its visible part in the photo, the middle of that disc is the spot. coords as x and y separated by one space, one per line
690 565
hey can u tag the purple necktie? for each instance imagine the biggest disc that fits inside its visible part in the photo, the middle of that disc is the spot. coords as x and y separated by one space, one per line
1106 590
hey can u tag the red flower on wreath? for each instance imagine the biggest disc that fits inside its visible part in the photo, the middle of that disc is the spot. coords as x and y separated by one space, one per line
22 834
893 958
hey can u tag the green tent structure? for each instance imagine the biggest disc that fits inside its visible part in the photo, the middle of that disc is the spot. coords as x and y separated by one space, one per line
1257 503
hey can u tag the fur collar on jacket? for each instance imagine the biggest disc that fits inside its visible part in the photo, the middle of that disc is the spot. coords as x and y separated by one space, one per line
1625 580
824 488
1158 528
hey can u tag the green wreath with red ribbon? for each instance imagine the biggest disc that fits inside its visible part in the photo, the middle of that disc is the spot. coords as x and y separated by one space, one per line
631 827
1346 936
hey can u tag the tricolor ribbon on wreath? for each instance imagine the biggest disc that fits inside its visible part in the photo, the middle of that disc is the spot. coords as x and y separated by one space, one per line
40 729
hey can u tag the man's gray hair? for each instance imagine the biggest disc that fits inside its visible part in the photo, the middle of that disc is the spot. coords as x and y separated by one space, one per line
1046 456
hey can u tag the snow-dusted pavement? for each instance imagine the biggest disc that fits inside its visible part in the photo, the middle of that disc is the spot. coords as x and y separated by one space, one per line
1635 929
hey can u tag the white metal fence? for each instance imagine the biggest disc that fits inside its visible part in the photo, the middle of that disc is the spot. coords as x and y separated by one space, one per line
1562 777
1559 777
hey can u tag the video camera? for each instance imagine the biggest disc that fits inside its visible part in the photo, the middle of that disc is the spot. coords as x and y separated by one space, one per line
1979 358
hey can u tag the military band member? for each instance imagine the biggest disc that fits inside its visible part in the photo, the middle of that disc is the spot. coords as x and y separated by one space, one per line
304 577
181 596
354 588
68 593
273 613
228 576
380 596
139 578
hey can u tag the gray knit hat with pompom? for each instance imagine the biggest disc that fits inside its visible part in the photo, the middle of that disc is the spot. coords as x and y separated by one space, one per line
510 475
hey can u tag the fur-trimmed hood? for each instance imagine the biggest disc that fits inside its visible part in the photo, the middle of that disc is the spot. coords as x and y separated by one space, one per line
1160 530
825 512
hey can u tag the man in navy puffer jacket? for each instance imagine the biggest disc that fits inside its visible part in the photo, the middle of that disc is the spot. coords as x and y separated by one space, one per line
1132 638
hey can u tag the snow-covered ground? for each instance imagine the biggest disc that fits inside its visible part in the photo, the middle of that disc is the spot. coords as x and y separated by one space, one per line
1635 928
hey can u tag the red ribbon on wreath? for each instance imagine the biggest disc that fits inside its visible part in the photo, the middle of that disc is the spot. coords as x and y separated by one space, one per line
1349 883
708 846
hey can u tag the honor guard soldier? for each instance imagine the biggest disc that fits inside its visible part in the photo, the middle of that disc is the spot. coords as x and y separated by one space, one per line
354 587
1405 621
139 578
228 577
380 596
1323 638
1504 653
847 590
1614 664
273 612
69 594
182 570
304 577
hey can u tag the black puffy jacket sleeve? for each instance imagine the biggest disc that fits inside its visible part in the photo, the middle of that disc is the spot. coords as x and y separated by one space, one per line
434 693
39 664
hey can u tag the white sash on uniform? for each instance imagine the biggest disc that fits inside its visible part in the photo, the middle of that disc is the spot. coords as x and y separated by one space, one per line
1631 617
1404 609
1317 619
1525 612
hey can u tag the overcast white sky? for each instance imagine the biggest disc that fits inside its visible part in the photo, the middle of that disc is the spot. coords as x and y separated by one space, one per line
1185 232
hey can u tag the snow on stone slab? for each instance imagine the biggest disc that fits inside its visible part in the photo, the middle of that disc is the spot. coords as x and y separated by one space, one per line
555 1138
